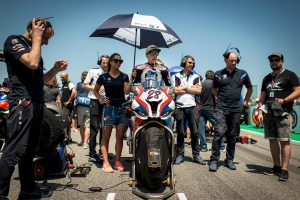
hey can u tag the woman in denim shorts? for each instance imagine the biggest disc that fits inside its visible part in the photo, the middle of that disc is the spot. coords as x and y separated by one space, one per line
116 85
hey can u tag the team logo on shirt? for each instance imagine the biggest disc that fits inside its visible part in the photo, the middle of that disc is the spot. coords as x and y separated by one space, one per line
274 87
243 77
18 47
15 41
224 76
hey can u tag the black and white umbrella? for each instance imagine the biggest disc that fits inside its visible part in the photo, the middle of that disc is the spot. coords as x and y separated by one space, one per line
137 30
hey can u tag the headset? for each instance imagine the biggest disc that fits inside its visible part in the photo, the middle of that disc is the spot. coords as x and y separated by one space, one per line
99 61
234 50
183 60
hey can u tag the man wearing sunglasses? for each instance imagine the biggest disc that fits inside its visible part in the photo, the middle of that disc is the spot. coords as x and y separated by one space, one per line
279 90
151 68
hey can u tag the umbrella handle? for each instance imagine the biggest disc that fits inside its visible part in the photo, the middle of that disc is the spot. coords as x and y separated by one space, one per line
134 48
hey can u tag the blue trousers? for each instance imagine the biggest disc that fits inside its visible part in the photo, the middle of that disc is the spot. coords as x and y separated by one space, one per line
204 116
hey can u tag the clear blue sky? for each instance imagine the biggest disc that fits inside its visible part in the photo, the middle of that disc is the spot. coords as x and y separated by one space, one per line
256 27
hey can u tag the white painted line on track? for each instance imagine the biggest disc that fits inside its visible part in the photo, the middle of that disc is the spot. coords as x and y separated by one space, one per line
111 196
181 196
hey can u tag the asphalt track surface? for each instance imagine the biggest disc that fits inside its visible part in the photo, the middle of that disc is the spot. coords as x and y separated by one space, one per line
193 181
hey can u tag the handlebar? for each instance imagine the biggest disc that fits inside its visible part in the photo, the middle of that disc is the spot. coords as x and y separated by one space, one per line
127 104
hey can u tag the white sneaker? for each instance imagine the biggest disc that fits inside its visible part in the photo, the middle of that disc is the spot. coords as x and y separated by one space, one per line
85 146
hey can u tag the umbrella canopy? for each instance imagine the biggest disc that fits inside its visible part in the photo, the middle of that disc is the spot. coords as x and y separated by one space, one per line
137 30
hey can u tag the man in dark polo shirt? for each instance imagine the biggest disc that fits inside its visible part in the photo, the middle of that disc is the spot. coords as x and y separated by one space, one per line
25 71
227 86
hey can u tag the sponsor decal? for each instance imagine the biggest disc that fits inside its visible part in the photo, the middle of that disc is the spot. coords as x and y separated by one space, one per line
18 47
15 41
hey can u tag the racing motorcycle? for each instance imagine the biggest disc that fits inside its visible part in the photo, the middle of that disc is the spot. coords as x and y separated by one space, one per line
152 141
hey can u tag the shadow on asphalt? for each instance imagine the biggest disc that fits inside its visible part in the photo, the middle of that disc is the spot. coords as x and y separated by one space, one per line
257 169
61 187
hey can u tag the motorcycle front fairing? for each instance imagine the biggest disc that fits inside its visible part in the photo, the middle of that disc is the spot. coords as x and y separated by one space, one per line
153 103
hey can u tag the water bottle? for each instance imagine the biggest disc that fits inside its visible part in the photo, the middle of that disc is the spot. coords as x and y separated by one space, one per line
249 139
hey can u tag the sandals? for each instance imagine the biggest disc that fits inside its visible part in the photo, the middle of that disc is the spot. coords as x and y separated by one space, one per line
119 166
107 168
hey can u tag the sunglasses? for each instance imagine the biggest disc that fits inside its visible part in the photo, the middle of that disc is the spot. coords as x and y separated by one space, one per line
154 53
118 61
274 60
191 62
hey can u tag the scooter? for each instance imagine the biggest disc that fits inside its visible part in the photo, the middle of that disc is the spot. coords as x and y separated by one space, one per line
152 143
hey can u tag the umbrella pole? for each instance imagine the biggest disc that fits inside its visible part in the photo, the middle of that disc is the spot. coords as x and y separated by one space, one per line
134 48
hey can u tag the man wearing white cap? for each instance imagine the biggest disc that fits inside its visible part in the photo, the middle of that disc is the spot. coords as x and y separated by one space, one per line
151 69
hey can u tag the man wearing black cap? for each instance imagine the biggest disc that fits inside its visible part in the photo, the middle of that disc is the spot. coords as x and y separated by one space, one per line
151 69
279 90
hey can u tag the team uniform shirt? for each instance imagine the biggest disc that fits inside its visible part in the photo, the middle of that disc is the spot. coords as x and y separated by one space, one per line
229 86
181 79
25 82
91 79
280 86
152 72
207 99
114 88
